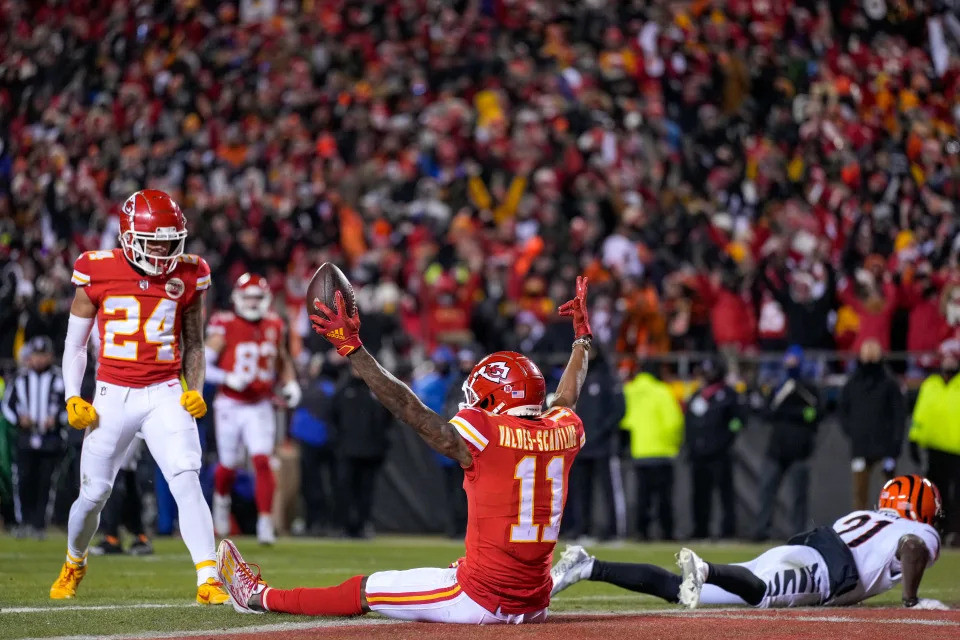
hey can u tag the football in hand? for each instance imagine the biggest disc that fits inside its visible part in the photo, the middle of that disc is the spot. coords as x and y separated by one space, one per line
324 285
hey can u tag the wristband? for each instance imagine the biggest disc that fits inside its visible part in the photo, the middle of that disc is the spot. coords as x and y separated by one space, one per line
910 602
585 341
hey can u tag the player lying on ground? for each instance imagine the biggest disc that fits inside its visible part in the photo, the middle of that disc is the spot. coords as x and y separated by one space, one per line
515 460
864 554
144 298
245 347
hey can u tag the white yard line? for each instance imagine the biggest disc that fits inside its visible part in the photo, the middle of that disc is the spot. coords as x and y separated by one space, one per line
719 612
771 615
598 598
96 607
230 631
839 618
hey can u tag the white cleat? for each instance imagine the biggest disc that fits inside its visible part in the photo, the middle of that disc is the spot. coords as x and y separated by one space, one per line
239 581
265 532
221 515
694 576
569 570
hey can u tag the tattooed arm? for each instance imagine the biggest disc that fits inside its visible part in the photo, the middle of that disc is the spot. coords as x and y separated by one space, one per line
193 356
343 331
406 406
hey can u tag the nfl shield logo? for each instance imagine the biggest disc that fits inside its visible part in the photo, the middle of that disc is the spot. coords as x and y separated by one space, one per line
144 285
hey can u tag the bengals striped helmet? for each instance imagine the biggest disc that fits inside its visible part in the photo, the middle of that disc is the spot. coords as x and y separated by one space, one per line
912 497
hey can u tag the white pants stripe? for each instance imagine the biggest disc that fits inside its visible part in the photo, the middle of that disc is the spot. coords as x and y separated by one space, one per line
433 595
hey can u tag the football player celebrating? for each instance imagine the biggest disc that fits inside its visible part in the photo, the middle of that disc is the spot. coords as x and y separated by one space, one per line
244 348
146 298
863 554
516 459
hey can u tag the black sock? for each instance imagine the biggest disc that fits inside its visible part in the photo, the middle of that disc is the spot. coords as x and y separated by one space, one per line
737 580
644 578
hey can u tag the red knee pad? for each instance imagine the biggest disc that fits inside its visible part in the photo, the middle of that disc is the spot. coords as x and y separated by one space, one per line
265 483
223 478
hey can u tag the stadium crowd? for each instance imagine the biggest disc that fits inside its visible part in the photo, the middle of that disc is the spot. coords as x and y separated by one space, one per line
741 175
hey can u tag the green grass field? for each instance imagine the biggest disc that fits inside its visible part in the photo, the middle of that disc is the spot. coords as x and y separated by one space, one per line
27 568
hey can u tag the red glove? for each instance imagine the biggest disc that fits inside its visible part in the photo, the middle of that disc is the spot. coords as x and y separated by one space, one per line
340 330
577 308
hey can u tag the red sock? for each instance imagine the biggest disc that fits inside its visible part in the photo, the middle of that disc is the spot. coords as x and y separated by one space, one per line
341 600
264 483
223 478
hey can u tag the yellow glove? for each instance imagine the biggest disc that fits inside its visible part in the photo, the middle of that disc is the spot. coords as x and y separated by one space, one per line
193 402
80 413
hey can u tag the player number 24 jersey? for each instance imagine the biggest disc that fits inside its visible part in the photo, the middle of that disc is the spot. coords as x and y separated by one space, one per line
139 317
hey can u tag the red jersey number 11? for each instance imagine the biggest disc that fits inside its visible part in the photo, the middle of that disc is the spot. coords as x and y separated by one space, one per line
526 472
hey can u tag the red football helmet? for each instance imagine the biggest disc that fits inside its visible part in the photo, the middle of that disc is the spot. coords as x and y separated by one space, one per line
912 497
251 297
506 382
152 216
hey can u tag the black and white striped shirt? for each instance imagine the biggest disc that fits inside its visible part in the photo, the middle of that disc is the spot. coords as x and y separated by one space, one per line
37 396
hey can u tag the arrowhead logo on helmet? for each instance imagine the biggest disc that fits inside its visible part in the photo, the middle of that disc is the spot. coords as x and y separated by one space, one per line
505 382
495 372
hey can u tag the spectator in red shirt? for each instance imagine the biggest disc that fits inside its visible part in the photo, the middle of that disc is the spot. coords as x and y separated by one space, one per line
926 326
874 297
731 312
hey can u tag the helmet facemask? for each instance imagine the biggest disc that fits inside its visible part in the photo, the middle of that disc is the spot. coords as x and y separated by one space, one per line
135 249
469 395
252 303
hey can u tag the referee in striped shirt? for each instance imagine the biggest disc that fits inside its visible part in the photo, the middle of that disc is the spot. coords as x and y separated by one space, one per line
34 403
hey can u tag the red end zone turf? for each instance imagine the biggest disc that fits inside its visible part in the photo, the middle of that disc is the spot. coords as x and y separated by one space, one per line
805 624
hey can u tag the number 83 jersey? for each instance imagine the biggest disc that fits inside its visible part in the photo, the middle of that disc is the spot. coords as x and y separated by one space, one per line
516 489
873 539
250 351
139 316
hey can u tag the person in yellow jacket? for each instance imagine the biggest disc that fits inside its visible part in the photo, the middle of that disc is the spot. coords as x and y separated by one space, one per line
936 428
655 422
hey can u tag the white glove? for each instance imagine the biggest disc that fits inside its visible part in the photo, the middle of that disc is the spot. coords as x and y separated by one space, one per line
929 604
291 393
235 381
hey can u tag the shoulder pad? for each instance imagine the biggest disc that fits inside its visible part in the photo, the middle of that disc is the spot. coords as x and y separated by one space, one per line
85 263
222 317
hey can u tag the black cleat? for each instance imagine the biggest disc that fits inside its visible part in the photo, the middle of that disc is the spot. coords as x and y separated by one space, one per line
141 547
109 546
